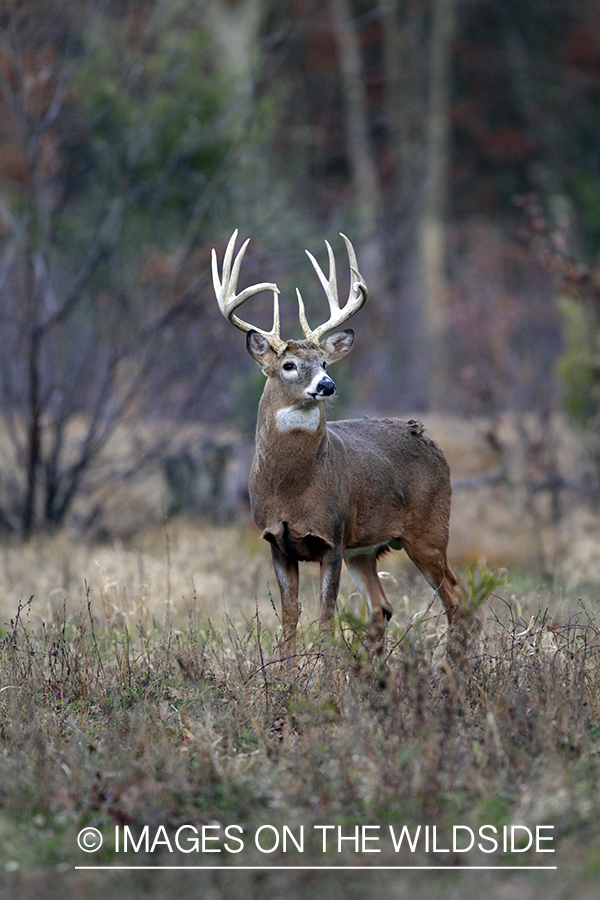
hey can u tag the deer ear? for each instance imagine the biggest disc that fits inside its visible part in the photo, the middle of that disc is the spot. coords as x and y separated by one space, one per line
337 345
259 349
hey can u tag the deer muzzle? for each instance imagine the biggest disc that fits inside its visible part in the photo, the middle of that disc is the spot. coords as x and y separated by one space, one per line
325 387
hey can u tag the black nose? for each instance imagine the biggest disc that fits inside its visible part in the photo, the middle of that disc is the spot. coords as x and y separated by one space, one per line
326 386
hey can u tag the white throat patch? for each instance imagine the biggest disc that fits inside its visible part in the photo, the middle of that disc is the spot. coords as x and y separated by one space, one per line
291 417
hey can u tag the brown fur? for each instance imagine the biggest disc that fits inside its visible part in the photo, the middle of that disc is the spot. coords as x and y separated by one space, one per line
349 489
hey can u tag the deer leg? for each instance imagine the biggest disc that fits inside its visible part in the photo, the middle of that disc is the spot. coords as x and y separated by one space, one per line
363 571
433 563
331 568
286 571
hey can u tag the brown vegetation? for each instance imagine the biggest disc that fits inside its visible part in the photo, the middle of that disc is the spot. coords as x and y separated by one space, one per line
151 694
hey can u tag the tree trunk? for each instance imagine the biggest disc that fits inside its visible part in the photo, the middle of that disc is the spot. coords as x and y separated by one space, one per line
403 75
365 179
235 26
33 407
433 226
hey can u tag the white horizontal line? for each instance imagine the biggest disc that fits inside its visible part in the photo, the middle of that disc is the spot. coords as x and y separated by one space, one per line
331 868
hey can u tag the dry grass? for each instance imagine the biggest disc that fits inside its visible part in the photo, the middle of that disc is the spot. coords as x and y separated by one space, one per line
159 570
142 685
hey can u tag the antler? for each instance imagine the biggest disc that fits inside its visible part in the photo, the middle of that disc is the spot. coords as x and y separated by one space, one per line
356 297
229 301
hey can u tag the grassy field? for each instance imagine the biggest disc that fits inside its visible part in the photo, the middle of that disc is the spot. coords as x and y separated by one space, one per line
142 693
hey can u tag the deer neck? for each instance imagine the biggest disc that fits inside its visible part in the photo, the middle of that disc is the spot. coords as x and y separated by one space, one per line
286 433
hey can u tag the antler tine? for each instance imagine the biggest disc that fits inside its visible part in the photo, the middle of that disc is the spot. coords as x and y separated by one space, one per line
229 301
356 297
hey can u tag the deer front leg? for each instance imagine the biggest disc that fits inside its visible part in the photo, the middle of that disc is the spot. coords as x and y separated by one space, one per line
331 568
286 571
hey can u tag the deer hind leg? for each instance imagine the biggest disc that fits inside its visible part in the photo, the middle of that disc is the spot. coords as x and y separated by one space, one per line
363 571
433 563
286 572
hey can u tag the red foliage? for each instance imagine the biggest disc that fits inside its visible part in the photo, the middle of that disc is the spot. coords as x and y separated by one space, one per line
31 78
501 143
582 46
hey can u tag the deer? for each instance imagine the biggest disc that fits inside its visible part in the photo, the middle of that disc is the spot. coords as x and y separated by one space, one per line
339 491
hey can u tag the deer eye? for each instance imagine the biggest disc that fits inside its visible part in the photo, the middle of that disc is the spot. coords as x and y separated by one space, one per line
289 367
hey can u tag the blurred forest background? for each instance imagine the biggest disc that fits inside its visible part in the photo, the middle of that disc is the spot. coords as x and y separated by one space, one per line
457 143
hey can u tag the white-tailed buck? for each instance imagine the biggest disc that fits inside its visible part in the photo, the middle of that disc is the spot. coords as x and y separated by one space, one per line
326 492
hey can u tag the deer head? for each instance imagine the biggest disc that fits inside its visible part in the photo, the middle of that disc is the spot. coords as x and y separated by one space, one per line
295 369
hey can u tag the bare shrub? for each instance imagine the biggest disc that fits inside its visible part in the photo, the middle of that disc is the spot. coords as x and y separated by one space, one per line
194 721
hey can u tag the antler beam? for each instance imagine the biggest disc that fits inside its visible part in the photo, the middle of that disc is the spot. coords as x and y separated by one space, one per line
356 297
229 301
